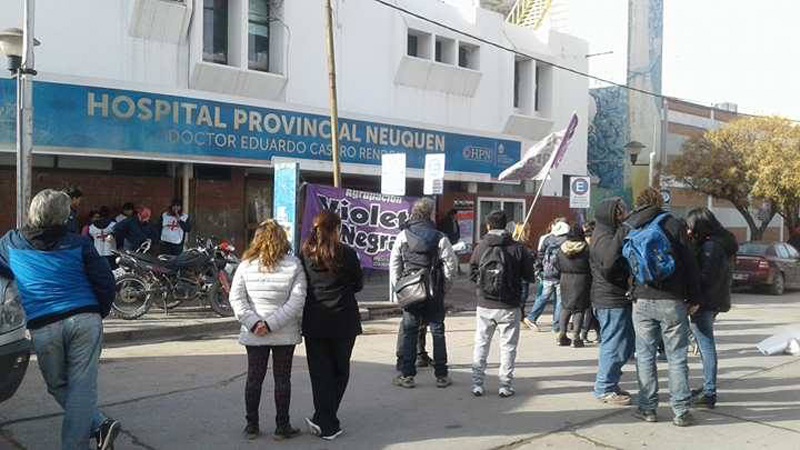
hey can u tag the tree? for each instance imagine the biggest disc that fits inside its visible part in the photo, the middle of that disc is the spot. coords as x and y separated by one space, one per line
717 164
774 163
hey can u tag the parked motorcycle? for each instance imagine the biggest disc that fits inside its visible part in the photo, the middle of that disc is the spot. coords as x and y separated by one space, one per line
202 273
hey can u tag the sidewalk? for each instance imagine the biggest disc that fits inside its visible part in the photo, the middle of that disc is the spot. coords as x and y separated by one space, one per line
191 321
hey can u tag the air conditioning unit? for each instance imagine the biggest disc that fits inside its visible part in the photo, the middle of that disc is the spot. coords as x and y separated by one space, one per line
727 106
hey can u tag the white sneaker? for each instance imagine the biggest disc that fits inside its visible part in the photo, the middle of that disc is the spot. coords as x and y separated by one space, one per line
313 428
477 391
506 392
333 436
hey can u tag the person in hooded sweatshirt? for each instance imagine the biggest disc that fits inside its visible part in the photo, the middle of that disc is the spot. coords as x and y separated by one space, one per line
661 311
551 287
572 262
612 306
715 248
499 266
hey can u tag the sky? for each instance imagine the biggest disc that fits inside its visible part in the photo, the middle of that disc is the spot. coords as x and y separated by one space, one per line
741 51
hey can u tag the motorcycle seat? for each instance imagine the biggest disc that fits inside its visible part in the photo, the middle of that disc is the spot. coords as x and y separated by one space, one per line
186 259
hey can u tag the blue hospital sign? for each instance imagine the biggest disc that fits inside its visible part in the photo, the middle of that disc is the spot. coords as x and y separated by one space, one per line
102 121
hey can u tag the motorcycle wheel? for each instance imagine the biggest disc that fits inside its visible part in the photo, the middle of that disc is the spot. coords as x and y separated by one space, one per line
218 299
133 299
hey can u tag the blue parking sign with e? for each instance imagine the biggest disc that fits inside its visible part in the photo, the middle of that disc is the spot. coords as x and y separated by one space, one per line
580 186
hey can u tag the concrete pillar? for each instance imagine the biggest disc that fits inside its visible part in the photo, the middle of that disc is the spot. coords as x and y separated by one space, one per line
188 170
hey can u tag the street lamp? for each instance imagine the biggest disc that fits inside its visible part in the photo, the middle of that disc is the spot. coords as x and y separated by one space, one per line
634 148
17 44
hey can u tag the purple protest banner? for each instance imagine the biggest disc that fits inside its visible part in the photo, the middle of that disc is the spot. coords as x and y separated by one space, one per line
370 221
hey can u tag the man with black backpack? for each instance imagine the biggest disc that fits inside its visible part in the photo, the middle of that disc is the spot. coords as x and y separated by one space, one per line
666 290
499 265
422 255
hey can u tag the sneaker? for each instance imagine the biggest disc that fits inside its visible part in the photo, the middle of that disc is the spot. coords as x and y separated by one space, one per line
662 357
251 431
285 432
443 382
478 391
648 415
563 341
531 324
333 436
404 382
313 429
424 360
506 392
616 398
106 434
684 420
708 401
578 343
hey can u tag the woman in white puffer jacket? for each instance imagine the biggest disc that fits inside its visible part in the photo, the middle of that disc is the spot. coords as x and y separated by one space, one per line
267 295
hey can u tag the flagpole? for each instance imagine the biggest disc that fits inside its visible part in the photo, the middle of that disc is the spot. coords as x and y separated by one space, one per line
535 199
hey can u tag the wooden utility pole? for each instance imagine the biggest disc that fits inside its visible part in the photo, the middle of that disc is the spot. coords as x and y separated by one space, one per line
337 176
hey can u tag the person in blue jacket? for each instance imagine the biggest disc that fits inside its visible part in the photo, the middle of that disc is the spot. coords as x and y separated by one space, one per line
66 289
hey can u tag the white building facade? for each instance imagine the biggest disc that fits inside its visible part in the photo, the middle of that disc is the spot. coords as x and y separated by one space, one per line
220 90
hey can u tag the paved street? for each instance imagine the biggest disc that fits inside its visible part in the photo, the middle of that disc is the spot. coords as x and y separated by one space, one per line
188 395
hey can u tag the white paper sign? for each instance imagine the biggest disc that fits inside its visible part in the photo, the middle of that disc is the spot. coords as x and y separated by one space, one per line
393 174
434 174
580 192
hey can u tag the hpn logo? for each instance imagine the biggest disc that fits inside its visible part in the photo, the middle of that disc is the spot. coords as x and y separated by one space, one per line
481 154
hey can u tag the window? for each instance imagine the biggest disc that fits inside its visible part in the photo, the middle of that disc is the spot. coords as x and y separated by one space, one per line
215 31
445 50
139 167
413 45
258 35
468 56
419 44
523 85
782 252
792 251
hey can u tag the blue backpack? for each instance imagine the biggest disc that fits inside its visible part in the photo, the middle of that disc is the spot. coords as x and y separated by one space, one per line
649 252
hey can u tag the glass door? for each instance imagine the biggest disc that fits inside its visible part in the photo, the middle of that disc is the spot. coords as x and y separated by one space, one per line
514 209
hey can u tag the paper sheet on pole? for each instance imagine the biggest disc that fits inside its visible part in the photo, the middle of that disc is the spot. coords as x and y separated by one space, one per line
434 174
393 174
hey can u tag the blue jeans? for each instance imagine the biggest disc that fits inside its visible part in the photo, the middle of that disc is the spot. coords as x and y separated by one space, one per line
667 320
702 325
617 343
68 352
411 324
548 289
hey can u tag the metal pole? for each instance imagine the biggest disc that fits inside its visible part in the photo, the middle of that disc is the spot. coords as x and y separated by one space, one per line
662 150
25 117
337 176
538 192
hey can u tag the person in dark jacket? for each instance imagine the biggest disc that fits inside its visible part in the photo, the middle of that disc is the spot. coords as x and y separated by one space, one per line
610 300
134 230
498 310
449 226
331 320
551 288
715 247
75 197
661 311
572 262
66 289
420 246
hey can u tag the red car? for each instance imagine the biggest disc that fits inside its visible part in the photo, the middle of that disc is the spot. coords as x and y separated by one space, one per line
771 265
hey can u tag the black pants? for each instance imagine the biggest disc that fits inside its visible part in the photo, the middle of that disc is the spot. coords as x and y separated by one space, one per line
581 321
329 368
401 337
257 362
112 261
171 249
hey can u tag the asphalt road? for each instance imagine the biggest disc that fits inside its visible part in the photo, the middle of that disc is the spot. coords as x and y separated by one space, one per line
189 395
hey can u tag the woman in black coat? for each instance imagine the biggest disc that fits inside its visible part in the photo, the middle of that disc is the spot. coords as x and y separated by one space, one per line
715 248
572 261
331 320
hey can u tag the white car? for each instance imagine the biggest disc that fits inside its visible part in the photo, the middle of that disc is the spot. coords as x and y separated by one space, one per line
14 344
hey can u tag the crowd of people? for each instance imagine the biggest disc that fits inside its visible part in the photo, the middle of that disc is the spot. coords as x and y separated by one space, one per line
643 279
131 227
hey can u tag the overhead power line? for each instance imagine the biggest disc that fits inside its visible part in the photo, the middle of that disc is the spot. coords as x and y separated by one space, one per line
539 60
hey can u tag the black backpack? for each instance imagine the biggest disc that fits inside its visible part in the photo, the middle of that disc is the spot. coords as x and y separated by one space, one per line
493 273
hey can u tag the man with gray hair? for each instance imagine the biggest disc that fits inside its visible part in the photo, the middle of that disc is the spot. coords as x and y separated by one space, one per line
420 246
66 288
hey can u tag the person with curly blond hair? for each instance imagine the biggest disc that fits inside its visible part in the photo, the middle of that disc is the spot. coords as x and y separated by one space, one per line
268 294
